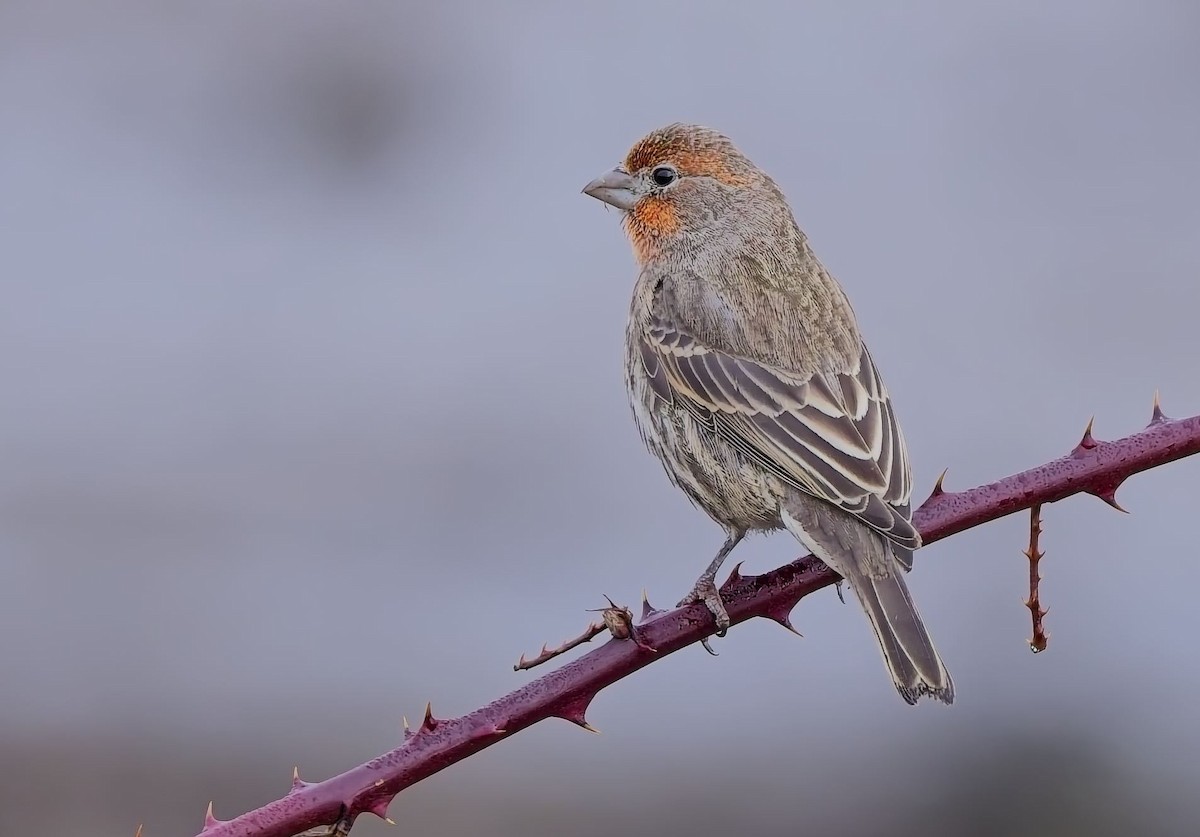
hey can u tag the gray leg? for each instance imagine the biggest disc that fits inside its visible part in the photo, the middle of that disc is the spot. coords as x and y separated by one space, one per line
705 589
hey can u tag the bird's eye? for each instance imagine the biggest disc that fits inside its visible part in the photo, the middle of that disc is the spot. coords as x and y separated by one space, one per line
664 175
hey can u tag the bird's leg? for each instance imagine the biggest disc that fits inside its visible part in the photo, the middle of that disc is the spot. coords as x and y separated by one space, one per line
705 589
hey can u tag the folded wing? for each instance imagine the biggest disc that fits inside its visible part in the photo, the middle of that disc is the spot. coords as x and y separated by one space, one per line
831 435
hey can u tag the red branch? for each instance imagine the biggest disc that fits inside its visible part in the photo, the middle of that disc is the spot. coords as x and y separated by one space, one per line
1093 467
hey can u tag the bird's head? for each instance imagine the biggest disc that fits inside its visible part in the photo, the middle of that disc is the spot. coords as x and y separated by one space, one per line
680 182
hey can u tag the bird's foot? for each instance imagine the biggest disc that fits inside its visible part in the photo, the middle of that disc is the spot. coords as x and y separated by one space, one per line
706 591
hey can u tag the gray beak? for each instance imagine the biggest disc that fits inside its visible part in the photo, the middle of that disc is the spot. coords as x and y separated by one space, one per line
614 188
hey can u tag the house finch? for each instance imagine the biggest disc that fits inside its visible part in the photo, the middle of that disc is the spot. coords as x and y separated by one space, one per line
750 382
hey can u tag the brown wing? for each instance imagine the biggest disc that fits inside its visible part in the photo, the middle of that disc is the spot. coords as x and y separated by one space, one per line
832 436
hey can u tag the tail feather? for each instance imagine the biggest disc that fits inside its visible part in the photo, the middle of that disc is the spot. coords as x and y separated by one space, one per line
864 558
908 652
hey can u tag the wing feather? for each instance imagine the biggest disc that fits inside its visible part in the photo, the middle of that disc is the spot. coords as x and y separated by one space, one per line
833 436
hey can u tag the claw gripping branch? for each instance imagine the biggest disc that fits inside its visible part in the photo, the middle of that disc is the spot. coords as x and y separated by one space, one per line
1094 467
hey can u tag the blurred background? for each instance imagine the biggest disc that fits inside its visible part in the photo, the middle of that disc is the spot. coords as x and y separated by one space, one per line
312 407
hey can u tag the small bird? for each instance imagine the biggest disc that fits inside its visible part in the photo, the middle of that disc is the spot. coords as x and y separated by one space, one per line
750 382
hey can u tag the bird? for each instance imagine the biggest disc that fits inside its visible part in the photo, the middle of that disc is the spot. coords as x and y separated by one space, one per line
751 383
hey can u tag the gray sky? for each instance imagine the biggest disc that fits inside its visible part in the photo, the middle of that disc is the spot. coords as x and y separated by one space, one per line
313 411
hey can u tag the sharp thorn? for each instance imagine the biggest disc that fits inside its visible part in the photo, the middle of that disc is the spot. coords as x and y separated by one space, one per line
297 782
1157 416
520 663
487 731
648 609
1088 441
1112 501
783 617
576 710
938 490
1110 496
389 820
379 807
209 820
430 723
138 833
404 718
734 577
579 722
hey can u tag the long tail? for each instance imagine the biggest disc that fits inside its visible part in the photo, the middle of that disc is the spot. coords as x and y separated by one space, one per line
908 651
865 560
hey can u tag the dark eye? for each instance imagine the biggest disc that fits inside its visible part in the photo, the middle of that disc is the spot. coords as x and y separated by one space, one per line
664 175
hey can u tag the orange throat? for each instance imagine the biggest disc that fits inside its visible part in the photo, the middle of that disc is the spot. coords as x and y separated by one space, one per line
651 221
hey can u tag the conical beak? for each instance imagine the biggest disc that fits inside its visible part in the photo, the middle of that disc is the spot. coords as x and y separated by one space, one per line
614 188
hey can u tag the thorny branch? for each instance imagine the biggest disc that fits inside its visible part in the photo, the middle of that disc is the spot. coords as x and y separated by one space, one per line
617 620
1038 641
1093 467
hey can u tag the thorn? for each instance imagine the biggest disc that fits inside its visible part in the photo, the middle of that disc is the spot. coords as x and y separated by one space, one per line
209 820
138 833
648 610
938 490
734 577
1109 495
487 731
783 616
576 710
1088 441
379 808
430 723
404 721
297 782
389 820
1157 416
378 782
